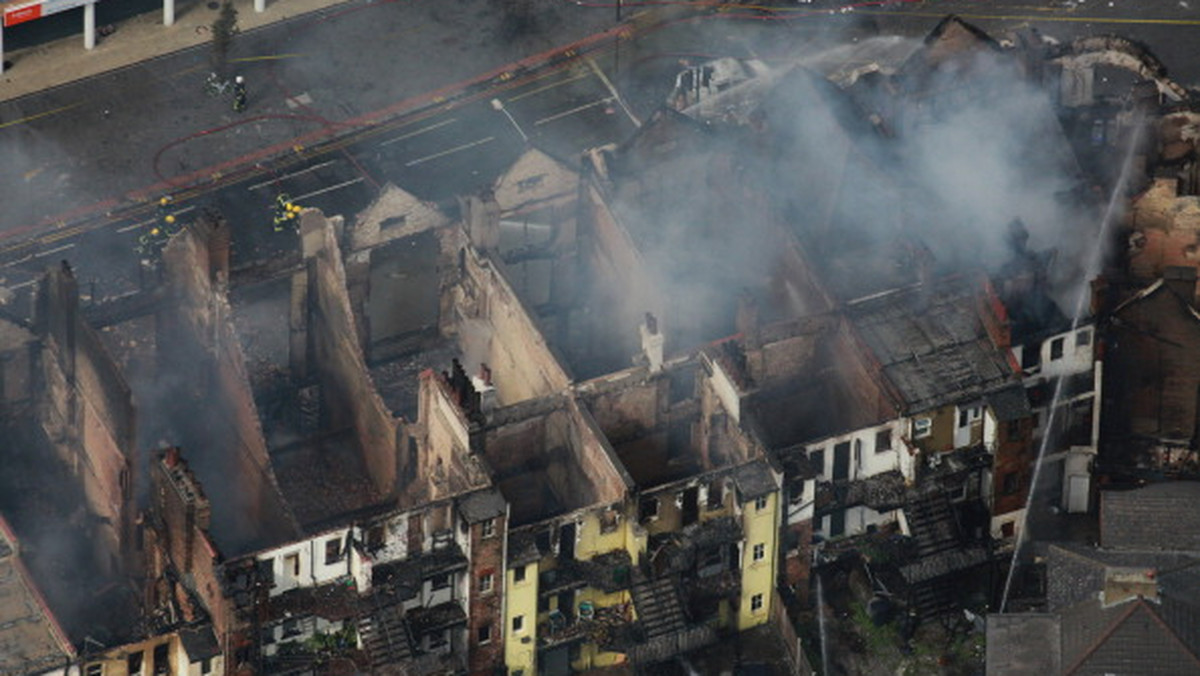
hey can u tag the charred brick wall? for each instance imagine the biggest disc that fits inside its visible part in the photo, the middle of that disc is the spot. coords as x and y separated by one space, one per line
86 410
1015 455
486 608
212 405
348 397
495 328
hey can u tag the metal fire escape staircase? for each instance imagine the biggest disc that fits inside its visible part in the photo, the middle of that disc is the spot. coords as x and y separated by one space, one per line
659 608
936 535
385 634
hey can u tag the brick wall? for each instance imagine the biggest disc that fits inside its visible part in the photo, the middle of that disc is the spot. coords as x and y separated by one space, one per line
486 609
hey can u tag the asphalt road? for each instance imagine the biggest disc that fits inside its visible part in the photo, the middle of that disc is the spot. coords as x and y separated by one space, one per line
435 154
1169 27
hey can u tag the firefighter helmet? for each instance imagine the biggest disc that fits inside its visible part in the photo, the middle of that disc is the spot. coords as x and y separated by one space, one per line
166 199
154 231
238 79
169 219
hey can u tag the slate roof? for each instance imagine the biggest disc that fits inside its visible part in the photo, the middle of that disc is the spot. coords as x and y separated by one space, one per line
1155 635
754 480
482 505
200 643
1160 516
30 639
1128 638
1010 403
1020 644
931 344
522 548
1076 572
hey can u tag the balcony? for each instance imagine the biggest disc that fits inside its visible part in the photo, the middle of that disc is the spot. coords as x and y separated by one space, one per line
609 572
404 578
608 627
725 584
678 552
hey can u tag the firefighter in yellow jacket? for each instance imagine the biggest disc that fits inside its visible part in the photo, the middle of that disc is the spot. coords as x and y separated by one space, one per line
287 213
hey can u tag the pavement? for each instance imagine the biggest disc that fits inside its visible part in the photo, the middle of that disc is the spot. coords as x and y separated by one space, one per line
137 39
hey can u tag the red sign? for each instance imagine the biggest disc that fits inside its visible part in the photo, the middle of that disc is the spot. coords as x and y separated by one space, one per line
18 15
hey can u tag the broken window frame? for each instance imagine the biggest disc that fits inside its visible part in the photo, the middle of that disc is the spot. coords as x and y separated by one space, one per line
648 509
376 537
1010 483
518 624
760 503
291 564
162 661
441 581
756 603
883 440
483 634
1057 348
759 552
519 574
485 583
715 498
94 669
487 528
610 520
333 551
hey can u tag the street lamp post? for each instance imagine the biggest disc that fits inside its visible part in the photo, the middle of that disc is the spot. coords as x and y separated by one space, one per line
498 105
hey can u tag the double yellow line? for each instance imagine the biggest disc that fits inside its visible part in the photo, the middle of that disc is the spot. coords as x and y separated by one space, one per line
1035 18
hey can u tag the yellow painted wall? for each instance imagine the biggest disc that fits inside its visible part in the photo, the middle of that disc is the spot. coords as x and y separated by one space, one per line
116 662
758 577
520 599
592 542
944 420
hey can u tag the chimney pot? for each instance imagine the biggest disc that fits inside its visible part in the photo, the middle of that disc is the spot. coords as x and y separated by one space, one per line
172 457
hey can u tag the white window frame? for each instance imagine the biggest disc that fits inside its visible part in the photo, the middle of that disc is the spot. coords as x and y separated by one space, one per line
485 583
760 551
756 603
487 528
922 427
760 503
